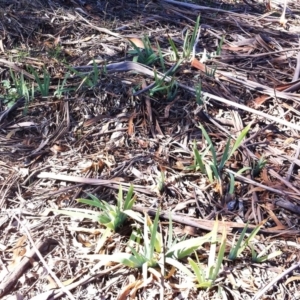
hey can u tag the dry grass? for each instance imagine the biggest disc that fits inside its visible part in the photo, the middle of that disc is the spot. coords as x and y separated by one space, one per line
92 139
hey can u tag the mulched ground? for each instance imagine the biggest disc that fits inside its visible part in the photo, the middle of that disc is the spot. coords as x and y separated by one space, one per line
92 139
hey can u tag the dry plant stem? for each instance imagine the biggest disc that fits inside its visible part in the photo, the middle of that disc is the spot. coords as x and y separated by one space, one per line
194 6
8 283
266 53
216 123
254 200
248 180
254 135
183 219
7 111
32 174
297 69
283 180
251 110
8 184
207 224
93 181
11 65
254 86
282 18
63 190
273 282
252 6
281 203
100 29
85 280
38 253
288 206
128 66
291 168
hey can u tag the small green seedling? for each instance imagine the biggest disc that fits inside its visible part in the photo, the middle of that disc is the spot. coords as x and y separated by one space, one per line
199 94
61 89
174 56
43 85
258 166
161 87
90 79
145 55
150 253
190 41
220 46
111 216
241 245
207 275
15 89
262 256
214 168
10 94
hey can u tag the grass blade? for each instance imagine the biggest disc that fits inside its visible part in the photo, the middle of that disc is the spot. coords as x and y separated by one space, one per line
239 140
235 251
187 247
197 271
225 155
210 144
220 257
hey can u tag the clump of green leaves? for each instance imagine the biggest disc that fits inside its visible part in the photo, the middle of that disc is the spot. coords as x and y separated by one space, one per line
258 166
240 246
189 44
190 40
213 168
166 85
152 252
61 87
242 243
174 54
43 84
209 55
163 88
111 216
15 88
10 94
145 55
262 256
210 72
220 46
90 79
